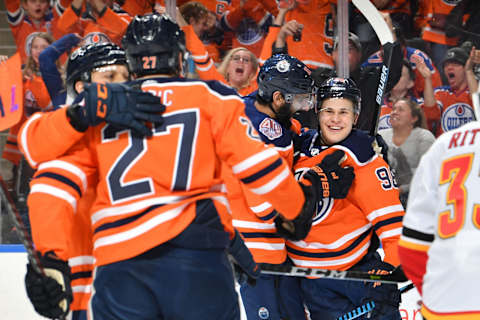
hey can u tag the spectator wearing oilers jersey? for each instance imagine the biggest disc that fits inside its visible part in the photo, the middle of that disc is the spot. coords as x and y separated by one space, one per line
411 55
238 68
433 32
95 21
35 93
313 42
285 86
27 17
345 232
248 21
98 63
146 218
451 106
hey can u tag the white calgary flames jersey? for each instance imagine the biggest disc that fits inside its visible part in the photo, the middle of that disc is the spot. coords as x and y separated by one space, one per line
443 223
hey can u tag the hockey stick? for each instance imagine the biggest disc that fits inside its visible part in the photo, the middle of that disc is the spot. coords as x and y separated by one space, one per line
367 307
386 39
406 288
359 311
20 227
25 237
394 277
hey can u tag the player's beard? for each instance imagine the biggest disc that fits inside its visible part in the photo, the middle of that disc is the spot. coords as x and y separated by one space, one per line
284 115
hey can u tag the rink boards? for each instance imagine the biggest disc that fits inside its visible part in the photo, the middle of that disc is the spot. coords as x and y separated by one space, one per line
14 303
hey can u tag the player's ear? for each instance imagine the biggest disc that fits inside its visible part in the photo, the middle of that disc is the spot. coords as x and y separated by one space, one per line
277 99
79 86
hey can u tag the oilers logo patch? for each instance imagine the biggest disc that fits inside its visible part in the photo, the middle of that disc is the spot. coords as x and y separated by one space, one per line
96 37
263 313
270 128
457 115
283 66
324 207
384 122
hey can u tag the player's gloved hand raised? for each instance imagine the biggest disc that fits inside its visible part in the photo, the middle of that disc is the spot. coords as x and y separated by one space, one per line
326 179
50 293
329 178
118 104
245 268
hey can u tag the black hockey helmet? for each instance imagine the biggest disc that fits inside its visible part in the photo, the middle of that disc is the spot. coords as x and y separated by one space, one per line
340 88
286 74
152 43
82 61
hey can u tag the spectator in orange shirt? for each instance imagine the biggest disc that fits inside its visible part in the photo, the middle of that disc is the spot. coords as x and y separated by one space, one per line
94 20
238 68
204 24
451 106
26 17
36 97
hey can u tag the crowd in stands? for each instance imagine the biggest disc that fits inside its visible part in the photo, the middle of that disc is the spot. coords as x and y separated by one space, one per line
434 68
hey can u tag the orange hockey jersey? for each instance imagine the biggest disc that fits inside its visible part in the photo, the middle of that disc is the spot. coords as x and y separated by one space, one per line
53 125
441 8
110 27
24 29
342 229
452 110
56 180
316 45
256 221
150 190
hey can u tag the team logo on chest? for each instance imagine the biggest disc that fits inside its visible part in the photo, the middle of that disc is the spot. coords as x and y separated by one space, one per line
384 122
456 115
270 128
263 313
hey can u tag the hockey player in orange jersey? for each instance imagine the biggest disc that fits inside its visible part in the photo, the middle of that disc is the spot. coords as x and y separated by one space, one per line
158 207
285 87
344 231
96 62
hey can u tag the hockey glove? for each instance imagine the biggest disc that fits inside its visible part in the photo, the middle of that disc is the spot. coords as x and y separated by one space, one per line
326 179
245 268
298 228
117 104
329 179
50 293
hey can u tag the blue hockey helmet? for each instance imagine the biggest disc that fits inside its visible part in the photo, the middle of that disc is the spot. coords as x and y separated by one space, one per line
152 43
82 61
288 75
340 88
